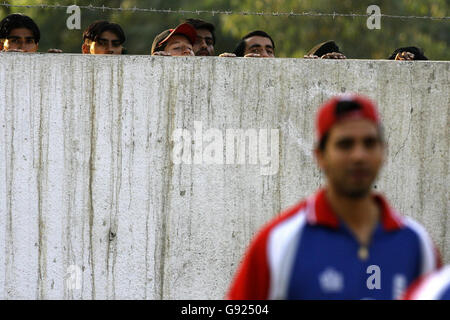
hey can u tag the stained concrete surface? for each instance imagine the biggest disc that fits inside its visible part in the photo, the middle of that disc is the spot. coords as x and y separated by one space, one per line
88 180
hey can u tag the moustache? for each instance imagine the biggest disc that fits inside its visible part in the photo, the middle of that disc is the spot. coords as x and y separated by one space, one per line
203 52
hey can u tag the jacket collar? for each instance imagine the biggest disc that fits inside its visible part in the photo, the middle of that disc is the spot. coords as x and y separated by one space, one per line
319 212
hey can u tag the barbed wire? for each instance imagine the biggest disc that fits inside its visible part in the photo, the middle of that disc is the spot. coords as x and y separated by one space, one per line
221 12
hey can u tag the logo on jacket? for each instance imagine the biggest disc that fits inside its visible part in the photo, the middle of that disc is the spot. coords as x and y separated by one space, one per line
331 280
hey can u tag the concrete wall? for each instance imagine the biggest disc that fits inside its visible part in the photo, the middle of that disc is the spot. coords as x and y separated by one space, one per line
94 203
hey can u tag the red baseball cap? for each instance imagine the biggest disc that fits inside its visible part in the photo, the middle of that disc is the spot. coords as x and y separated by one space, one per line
185 29
327 116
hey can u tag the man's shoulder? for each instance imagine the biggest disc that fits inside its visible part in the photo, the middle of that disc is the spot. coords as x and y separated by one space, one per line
285 217
414 226
411 226
430 253
288 214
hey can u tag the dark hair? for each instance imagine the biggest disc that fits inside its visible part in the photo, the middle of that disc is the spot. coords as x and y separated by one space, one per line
343 108
200 24
240 48
98 27
418 53
324 48
19 20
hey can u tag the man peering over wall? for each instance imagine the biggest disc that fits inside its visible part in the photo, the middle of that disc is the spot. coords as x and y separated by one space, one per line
175 42
256 44
19 33
408 54
206 39
103 37
325 50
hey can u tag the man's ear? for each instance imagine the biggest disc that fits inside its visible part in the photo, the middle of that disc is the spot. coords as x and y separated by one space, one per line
85 48
384 145
319 155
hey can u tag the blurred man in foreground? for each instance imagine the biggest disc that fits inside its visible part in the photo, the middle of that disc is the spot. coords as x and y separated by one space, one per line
345 241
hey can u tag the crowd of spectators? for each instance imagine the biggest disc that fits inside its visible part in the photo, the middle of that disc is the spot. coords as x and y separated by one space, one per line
193 37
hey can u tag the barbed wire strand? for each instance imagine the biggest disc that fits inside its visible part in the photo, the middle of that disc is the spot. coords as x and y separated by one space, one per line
222 12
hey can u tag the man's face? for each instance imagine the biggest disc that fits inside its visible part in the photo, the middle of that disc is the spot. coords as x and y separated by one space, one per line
179 45
260 45
20 39
204 44
352 157
107 43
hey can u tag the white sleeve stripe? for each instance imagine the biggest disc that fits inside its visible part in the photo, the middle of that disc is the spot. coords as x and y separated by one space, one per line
433 287
282 244
426 246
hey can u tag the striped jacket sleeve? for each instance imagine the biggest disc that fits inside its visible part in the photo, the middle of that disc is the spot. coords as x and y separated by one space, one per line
430 257
253 278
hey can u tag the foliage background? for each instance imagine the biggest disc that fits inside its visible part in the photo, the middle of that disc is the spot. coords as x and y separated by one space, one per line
294 36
